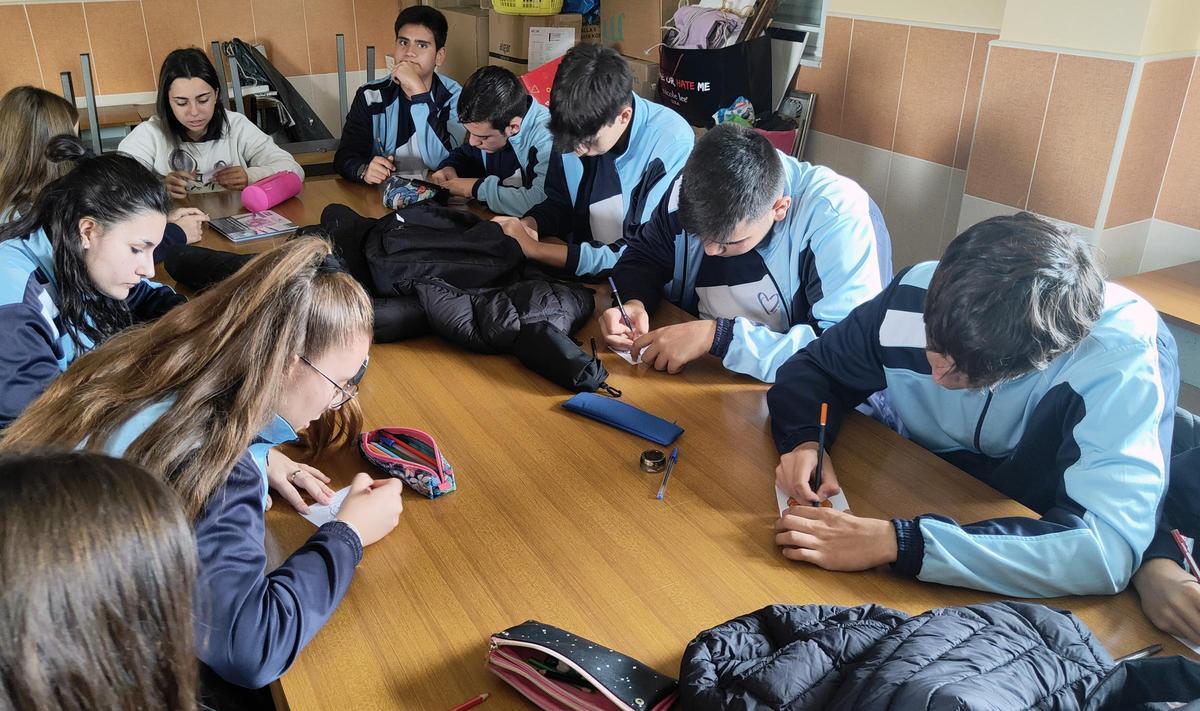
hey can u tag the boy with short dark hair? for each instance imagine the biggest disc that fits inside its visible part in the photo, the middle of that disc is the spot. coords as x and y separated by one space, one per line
1013 359
405 122
766 250
615 156
508 144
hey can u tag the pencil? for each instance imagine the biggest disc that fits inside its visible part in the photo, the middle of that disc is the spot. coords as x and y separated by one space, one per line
1140 654
662 489
1187 555
820 451
620 306
471 703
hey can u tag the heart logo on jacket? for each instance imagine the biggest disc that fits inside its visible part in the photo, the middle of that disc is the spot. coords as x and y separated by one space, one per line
770 303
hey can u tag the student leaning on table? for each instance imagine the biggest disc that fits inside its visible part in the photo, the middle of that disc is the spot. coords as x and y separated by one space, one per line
1013 359
193 142
197 399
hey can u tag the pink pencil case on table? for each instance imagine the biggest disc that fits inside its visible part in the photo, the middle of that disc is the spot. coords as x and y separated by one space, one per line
561 671
411 456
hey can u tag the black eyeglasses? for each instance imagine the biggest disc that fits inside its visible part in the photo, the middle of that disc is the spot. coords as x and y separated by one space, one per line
341 395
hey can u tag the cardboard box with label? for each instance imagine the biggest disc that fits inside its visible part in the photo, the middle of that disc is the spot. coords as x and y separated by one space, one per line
466 42
509 38
633 26
645 78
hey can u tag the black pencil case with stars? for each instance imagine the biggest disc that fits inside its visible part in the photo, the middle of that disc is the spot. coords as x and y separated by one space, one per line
558 670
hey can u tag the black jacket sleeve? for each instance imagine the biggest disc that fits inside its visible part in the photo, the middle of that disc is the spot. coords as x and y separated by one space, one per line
842 368
148 300
357 145
466 160
555 215
648 261
172 237
1181 507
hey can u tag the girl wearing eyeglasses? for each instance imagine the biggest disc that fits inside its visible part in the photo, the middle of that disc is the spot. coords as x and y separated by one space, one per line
198 398
193 142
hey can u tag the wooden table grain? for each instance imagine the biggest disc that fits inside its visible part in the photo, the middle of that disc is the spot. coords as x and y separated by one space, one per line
553 520
1174 291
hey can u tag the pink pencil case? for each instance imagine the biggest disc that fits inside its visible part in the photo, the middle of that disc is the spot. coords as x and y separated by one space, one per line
411 456
558 670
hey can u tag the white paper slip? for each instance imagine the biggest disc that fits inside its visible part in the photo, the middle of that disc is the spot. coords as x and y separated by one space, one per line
627 356
836 502
321 514
547 44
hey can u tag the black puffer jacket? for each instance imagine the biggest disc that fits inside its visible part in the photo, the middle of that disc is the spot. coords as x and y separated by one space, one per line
1006 655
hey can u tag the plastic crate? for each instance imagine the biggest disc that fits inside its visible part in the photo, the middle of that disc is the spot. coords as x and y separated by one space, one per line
527 7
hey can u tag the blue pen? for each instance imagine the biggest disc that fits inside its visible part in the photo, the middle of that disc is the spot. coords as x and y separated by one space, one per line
662 489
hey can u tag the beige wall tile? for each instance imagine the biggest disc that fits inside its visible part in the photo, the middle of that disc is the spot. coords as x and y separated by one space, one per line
873 82
18 60
1180 199
1086 103
966 128
931 97
280 24
376 20
1009 125
1148 143
915 208
122 52
60 34
325 19
829 81
171 25
225 19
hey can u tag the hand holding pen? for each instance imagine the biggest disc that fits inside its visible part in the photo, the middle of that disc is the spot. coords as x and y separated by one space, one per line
624 323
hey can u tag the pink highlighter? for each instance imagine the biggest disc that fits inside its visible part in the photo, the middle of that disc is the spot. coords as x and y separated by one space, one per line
271 190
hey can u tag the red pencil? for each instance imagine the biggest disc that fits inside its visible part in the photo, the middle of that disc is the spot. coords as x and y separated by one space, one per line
1187 555
471 703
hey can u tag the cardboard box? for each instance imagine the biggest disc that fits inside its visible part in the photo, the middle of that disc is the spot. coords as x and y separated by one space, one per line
645 78
633 26
466 42
443 4
591 33
508 37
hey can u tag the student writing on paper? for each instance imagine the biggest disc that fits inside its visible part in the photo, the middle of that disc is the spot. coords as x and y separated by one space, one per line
406 121
1013 359
98 565
508 145
767 251
198 399
615 156
194 142
29 119
75 268
1170 593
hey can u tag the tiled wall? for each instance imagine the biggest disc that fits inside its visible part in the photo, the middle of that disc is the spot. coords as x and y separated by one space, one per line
896 111
128 39
945 127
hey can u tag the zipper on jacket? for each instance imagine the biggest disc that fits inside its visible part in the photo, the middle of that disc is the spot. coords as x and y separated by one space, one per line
979 426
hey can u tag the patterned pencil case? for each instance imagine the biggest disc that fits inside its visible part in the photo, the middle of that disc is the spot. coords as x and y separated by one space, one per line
558 670
411 456
400 192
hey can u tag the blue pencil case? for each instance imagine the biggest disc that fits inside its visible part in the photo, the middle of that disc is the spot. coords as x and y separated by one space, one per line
624 416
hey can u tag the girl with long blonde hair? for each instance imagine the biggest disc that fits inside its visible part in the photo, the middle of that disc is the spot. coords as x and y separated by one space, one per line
197 398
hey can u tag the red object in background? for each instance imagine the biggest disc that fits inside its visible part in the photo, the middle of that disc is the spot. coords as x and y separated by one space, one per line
539 81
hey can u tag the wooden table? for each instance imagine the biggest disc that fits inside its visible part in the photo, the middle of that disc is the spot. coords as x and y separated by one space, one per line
553 520
1174 291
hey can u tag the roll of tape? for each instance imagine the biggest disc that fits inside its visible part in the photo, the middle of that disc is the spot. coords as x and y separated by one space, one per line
653 461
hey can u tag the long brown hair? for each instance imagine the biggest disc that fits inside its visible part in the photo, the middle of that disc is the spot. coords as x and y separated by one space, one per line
223 358
97 565
29 118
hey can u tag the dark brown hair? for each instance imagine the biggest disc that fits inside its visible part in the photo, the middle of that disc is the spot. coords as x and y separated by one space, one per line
97 567
1010 295
29 118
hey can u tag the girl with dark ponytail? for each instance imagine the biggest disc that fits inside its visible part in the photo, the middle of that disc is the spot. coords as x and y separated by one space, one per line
75 269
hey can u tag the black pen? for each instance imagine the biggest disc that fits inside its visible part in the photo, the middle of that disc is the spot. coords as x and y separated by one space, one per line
620 306
820 452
